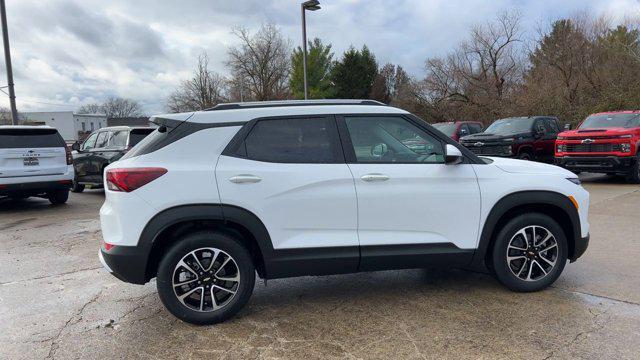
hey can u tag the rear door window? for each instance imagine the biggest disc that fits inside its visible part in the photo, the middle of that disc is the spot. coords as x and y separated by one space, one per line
136 135
30 138
90 142
297 140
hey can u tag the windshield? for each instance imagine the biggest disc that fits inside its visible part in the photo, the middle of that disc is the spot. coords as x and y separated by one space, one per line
447 128
610 121
510 126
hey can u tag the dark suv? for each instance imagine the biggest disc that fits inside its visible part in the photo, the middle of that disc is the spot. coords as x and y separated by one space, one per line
527 138
458 129
100 149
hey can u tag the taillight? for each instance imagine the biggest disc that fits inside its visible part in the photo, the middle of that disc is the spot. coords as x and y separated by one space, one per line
130 179
69 156
108 246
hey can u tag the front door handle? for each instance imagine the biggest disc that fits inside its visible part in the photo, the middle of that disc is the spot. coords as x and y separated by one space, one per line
375 177
244 179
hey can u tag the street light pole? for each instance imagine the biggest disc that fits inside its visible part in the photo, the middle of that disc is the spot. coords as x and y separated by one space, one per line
311 5
7 61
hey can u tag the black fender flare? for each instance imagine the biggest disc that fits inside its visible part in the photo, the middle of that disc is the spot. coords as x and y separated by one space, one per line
226 214
558 202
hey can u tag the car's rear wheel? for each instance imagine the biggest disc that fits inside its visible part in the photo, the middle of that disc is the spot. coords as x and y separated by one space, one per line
77 187
529 252
206 278
58 197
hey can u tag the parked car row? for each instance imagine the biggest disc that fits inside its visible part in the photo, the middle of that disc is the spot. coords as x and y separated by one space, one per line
36 161
603 143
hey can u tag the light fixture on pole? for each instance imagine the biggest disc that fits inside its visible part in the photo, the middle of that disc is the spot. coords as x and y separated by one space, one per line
311 5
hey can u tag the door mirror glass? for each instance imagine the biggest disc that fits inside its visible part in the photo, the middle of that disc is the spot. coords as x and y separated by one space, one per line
453 155
379 150
75 146
567 126
463 132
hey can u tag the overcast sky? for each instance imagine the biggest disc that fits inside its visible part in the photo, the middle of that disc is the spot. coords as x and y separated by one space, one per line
70 52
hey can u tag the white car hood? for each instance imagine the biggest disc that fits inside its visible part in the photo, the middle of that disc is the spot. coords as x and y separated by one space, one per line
529 167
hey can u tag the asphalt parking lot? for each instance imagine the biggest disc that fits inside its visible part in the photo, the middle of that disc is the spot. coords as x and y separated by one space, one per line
57 302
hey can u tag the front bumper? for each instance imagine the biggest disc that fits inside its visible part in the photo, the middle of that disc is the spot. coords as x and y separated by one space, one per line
127 263
599 164
35 188
580 248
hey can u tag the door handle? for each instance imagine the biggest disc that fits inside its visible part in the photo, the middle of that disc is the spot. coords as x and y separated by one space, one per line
375 177
244 179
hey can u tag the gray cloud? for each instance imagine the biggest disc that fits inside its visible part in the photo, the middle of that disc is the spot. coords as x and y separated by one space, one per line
69 52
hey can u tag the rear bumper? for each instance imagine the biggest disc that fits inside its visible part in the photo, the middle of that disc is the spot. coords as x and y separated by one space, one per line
599 164
580 248
127 263
35 188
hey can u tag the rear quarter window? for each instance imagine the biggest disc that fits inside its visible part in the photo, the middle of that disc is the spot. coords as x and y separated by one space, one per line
30 138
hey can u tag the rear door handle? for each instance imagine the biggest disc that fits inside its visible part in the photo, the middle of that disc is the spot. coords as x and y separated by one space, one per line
244 179
375 177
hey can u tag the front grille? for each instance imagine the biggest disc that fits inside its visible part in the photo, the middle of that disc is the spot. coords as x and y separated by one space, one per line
489 150
584 148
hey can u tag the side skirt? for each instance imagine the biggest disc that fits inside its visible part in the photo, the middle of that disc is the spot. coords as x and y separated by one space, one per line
351 259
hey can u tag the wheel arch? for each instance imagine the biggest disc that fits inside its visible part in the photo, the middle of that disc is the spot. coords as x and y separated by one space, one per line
556 205
166 227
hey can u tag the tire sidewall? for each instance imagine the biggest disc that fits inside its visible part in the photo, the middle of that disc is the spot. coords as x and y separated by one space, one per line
500 266
58 197
189 243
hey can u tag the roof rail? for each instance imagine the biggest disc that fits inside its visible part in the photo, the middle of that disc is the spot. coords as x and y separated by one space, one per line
264 104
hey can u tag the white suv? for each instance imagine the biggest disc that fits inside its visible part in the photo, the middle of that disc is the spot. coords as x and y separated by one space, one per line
34 161
325 187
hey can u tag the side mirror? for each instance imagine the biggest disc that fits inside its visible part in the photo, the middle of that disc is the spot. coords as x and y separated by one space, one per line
567 126
75 146
452 156
379 150
463 132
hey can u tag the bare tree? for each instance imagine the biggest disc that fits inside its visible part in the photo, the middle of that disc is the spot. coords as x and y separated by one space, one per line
204 90
263 62
90 109
113 107
116 107
477 78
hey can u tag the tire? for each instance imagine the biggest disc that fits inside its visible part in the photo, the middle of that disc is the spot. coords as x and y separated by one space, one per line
525 156
58 197
77 188
528 271
634 174
194 308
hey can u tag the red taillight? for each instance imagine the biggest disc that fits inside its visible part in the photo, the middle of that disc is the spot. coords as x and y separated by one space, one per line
130 179
108 246
69 156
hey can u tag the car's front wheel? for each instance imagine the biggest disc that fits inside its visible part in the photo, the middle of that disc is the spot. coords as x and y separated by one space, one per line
206 277
634 173
529 252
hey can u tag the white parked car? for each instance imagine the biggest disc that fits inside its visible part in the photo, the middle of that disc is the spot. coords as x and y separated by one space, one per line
325 187
34 161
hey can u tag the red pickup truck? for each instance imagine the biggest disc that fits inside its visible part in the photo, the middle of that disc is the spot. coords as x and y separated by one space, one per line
603 143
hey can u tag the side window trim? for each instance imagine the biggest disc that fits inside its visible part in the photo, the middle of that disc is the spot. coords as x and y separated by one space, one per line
347 145
237 147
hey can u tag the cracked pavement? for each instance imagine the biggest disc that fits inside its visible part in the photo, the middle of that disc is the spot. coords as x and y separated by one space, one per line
56 302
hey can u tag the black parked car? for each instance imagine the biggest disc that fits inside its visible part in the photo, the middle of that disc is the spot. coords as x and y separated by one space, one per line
100 149
527 138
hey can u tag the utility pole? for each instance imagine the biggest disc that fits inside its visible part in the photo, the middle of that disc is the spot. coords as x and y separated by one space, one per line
7 61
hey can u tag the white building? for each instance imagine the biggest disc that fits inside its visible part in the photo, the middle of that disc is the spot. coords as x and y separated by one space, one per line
71 126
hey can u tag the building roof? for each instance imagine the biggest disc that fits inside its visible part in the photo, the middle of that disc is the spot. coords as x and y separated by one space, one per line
140 121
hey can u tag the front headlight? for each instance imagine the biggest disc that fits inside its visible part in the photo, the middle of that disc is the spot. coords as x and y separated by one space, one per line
560 138
507 149
561 148
574 180
625 147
